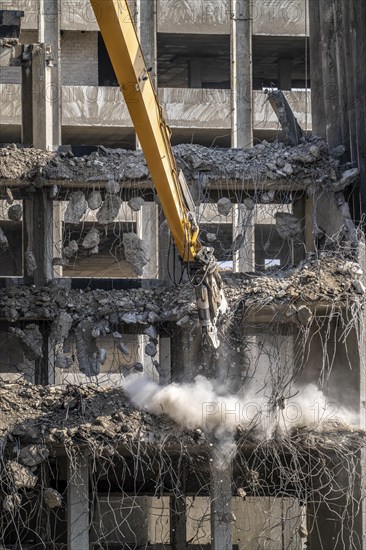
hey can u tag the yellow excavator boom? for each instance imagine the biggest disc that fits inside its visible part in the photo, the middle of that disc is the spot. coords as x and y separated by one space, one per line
123 46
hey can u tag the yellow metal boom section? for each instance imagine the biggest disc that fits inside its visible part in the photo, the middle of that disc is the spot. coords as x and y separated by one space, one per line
121 40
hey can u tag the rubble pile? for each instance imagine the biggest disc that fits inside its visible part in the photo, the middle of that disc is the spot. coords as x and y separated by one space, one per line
131 307
302 165
37 421
325 279
52 416
24 163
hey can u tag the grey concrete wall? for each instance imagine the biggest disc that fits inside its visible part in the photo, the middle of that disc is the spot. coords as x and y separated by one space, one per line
86 105
75 14
184 108
10 105
280 17
194 16
79 15
195 108
79 58
277 17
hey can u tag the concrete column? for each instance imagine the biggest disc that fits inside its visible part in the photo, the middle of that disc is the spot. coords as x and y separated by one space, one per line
221 503
78 522
147 230
147 25
39 248
243 224
285 73
242 73
38 229
299 243
57 237
164 361
317 91
330 69
49 33
27 96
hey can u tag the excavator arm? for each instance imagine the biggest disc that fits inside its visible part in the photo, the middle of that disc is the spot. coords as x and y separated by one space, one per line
123 46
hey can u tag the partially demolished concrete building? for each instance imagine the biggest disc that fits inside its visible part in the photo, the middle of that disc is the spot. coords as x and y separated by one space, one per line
119 428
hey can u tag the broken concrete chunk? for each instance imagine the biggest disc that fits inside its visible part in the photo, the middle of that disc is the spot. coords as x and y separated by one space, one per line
71 249
211 237
52 498
138 367
122 347
31 341
129 318
136 171
9 196
267 198
11 503
288 169
359 287
112 186
224 206
87 351
151 332
76 207
91 240
95 200
109 210
287 225
150 349
135 203
53 192
183 321
33 455
102 355
21 476
135 252
249 203
4 243
304 315
61 326
153 317
15 212
30 263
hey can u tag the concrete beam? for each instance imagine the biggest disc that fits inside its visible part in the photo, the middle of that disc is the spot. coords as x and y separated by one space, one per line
290 126
242 74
